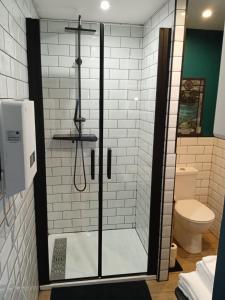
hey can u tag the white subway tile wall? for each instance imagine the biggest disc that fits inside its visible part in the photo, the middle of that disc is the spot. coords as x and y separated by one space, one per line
207 154
217 184
131 55
162 18
18 258
197 152
69 210
122 121
176 64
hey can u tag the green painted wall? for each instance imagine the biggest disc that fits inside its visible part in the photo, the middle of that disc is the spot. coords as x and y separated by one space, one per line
202 59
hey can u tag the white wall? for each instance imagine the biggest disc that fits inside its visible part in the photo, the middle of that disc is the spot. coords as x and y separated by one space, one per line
207 155
18 259
217 184
176 61
128 124
162 18
197 152
69 210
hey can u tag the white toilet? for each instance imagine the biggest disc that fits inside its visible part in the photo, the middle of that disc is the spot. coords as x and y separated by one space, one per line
191 217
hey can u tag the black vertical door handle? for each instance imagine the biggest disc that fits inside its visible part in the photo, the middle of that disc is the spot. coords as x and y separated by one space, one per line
109 163
92 164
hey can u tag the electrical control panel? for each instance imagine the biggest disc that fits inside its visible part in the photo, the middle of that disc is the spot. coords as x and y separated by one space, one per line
17 145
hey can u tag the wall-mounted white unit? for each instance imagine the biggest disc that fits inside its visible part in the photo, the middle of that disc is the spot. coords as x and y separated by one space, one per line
219 125
18 145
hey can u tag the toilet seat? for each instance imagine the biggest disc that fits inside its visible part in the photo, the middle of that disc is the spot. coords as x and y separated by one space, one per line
194 211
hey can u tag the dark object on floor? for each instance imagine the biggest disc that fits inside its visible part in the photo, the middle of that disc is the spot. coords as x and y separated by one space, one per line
177 268
59 259
134 290
179 294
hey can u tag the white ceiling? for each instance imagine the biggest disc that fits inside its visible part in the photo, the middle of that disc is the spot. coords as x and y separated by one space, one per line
121 11
195 9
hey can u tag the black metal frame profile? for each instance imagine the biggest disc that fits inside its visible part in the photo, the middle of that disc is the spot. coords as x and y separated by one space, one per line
35 88
101 136
40 190
159 150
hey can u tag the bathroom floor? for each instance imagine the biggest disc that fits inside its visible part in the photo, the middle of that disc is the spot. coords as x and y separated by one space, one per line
122 253
165 290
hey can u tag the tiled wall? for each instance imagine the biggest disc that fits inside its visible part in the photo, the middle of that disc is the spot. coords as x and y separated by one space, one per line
217 184
176 60
69 210
207 154
18 259
122 122
18 263
197 152
162 18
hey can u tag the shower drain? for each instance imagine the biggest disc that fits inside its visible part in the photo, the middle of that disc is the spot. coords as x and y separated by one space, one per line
58 269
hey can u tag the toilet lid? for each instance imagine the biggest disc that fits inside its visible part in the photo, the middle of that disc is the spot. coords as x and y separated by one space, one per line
194 210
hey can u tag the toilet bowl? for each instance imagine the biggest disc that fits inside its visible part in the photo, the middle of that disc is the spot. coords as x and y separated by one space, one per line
191 220
191 217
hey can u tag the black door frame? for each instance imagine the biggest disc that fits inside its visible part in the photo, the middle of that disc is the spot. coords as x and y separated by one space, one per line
159 150
40 187
101 143
40 194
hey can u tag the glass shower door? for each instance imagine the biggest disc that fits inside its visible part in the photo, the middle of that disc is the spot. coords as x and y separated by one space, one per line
84 256
127 171
102 230
72 214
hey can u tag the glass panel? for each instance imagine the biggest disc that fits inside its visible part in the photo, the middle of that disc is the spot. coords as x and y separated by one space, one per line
72 215
126 196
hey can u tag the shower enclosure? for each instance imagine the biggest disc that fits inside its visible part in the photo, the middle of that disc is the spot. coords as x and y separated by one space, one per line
123 211
102 228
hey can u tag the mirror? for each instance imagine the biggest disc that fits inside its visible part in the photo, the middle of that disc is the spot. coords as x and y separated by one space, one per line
201 66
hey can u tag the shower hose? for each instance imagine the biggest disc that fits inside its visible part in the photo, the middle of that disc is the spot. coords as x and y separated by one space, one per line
79 130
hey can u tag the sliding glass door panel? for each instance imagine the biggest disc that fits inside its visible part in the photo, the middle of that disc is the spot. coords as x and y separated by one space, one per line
71 107
126 195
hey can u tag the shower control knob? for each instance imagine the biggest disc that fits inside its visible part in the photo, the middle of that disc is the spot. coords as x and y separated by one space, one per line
79 61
